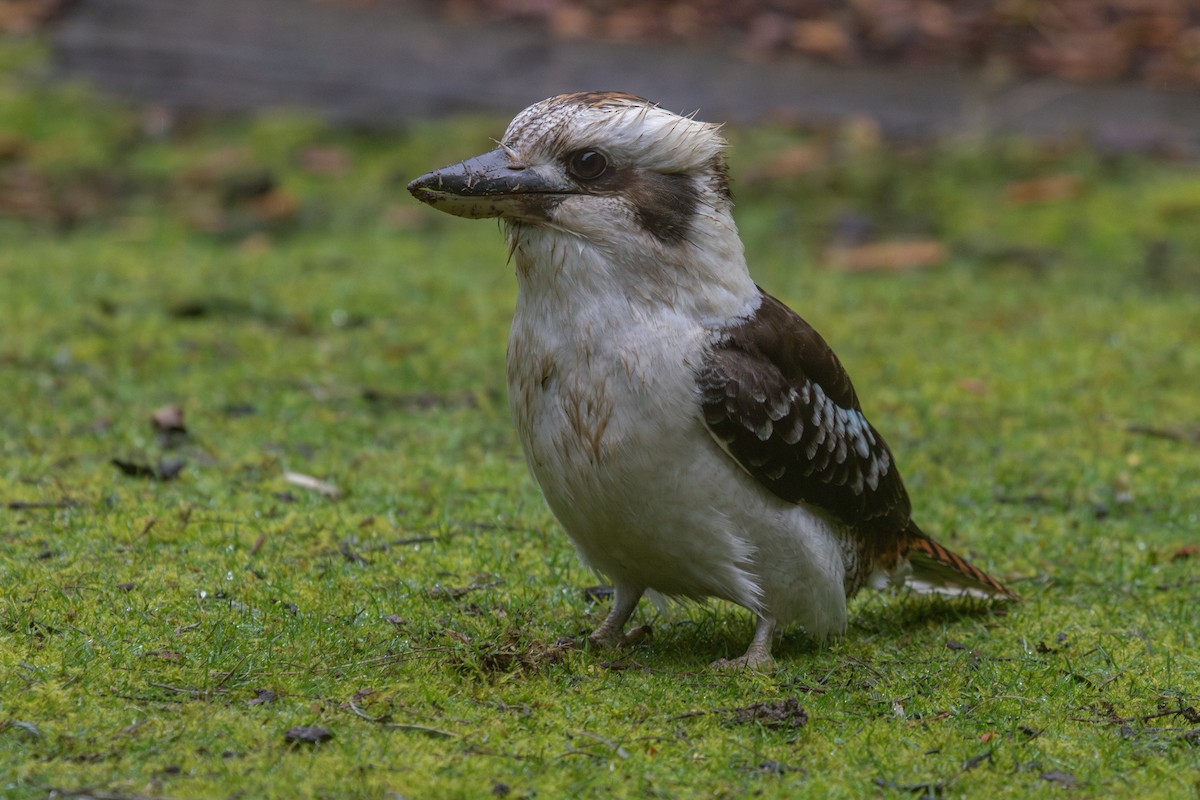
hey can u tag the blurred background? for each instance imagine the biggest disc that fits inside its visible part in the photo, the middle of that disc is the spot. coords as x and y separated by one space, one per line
254 436
1124 73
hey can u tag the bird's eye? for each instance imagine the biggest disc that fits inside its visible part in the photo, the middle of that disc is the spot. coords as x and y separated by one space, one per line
587 165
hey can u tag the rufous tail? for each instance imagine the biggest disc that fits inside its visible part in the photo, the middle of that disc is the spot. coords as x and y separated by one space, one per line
936 569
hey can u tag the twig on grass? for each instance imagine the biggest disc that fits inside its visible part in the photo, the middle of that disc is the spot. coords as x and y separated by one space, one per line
27 505
232 670
1173 434
383 720
390 658
188 690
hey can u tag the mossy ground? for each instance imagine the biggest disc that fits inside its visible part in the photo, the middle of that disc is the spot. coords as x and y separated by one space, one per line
273 279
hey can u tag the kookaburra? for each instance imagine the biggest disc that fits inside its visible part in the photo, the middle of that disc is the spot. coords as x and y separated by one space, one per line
692 434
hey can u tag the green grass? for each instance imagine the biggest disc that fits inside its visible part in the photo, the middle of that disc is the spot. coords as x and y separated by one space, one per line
336 328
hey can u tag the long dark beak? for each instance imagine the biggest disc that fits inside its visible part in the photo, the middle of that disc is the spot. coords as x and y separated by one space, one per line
490 185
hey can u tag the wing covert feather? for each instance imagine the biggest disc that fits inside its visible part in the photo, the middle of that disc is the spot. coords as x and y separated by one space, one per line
777 399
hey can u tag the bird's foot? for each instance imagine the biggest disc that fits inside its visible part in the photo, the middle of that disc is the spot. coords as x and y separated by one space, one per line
602 639
605 641
757 656
759 661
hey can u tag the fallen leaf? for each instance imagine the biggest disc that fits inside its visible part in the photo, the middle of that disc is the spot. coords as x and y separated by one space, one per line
166 470
307 734
787 164
169 419
324 160
23 17
571 22
893 256
275 206
823 38
312 484
247 184
1043 190
1187 551
134 469
938 717
1060 777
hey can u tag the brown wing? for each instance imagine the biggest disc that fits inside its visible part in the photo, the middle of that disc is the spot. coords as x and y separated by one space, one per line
778 400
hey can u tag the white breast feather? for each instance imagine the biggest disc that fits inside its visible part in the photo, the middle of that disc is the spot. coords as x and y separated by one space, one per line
602 389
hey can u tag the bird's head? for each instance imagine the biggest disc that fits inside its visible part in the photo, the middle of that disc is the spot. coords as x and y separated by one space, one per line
640 193
600 165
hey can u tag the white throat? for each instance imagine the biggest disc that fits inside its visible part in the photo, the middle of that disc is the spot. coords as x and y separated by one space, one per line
618 272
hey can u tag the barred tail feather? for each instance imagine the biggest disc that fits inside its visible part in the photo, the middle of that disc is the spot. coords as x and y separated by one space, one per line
936 569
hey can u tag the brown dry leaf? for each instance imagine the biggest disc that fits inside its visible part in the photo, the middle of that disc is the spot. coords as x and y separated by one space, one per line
1082 55
218 165
893 256
631 24
938 717
823 38
571 22
1044 190
684 20
25 193
791 162
12 146
324 160
1185 552
26 16
275 205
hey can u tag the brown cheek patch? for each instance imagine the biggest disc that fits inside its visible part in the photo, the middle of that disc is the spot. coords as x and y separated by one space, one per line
663 204
536 206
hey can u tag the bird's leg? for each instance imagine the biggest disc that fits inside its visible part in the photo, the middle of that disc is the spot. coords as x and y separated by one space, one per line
611 632
758 654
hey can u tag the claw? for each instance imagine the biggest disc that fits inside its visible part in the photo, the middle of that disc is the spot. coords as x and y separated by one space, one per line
603 642
757 661
757 655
